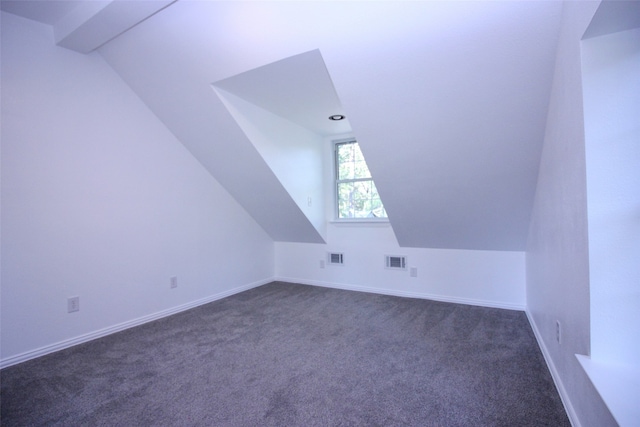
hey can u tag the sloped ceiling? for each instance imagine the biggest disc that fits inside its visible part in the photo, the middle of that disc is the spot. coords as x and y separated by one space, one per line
447 99
298 88
613 16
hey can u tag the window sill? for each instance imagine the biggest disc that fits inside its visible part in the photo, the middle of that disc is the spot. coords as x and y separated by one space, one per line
365 222
618 386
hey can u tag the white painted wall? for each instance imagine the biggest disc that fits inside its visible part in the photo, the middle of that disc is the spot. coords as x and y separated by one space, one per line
611 69
294 154
557 253
101 201
489 278
611 66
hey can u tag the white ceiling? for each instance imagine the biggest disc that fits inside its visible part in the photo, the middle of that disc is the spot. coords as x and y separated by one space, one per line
613 16
297 88
47 12
448 100
84 26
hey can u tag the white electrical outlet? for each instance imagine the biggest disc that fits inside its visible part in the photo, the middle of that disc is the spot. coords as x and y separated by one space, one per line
73 304
321 263
174 282
558 332
413 272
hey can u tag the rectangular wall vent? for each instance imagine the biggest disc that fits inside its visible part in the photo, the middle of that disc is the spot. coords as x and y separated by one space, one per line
396 262
336 258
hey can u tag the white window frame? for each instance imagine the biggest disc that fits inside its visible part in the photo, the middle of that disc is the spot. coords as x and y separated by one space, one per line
336 203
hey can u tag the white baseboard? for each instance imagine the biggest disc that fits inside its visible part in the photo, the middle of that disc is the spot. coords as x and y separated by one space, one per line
397 293
571 413
32 354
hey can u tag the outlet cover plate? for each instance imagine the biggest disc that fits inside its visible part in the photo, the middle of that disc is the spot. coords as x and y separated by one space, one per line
73 304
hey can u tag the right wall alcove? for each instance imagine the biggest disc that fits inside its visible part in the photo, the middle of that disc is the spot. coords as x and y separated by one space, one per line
611 90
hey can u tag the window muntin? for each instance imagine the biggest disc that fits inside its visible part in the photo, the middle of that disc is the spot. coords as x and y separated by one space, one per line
356 193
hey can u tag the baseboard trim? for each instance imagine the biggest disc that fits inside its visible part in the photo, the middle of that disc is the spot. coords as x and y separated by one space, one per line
564 396
61 345
397 293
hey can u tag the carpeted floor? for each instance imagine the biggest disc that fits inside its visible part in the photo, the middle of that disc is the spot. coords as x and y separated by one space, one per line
295 355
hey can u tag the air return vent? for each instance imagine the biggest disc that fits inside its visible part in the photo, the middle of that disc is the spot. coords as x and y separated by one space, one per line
336 258
396 262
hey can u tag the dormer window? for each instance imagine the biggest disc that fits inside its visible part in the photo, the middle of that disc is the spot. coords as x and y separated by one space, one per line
356 193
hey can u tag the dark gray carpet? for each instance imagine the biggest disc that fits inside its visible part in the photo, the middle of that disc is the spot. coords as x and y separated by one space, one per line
294 355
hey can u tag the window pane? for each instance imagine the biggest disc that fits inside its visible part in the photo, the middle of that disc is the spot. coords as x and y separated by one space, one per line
357 196
361 198
360 170
345 161
377 210
360 166
362 192
346 171
357 153
351 164
344 200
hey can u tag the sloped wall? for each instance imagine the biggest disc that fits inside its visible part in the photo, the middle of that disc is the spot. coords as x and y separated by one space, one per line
557 253
294 154
101 201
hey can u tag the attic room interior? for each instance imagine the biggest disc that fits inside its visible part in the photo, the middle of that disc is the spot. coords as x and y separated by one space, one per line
162 158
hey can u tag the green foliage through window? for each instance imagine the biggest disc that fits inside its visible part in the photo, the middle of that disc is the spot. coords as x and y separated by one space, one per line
357 196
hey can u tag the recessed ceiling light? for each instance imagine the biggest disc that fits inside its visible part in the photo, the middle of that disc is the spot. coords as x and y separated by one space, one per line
336 117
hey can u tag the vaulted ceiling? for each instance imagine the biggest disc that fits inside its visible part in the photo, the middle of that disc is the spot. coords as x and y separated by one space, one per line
447 99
